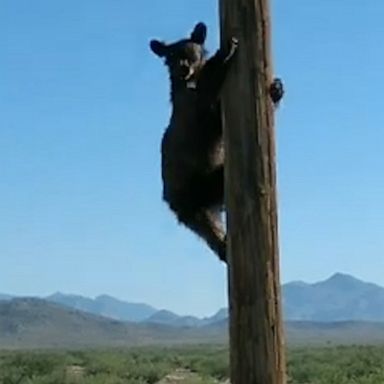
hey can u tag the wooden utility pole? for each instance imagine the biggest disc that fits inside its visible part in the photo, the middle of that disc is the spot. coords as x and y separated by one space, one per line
257 352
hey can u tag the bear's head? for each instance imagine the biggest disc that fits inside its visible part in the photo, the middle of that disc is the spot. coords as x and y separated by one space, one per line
185 57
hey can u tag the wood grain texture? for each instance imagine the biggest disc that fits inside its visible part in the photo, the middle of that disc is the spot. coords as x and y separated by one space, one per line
256 334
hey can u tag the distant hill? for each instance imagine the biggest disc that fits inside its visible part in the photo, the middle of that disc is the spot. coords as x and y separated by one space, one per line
171 318
36 323
105 305
220 315
5 297
339 298
335 333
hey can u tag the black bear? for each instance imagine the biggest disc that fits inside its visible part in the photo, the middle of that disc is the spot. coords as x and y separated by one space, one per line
192 146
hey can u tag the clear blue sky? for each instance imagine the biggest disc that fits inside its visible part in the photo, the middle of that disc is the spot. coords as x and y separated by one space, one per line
83 105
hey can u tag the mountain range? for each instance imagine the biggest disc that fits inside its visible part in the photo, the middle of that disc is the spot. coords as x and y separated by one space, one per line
35 323
341 309
339 298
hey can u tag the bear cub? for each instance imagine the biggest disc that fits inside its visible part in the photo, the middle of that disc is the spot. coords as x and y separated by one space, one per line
192 148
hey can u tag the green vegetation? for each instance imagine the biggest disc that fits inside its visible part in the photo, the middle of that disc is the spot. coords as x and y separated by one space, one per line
338 365
184 365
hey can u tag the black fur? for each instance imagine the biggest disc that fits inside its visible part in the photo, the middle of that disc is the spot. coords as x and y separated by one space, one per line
192 146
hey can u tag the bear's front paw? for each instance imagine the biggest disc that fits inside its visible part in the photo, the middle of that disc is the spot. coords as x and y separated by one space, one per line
230 49
276 90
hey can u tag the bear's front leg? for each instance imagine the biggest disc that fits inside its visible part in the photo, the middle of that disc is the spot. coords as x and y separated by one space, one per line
214 73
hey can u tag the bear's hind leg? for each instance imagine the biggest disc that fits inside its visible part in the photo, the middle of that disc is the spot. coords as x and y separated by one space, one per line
207 224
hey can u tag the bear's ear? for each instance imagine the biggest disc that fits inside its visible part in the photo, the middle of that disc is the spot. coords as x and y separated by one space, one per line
158 48
199 33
